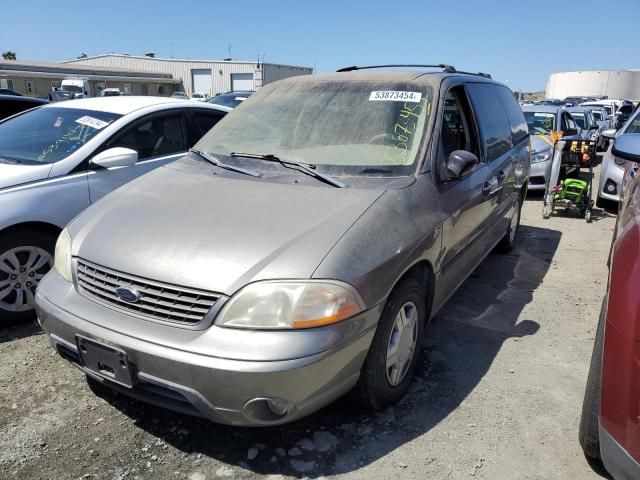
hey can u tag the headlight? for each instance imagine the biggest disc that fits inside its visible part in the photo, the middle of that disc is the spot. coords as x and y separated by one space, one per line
62 256
540 157
290 305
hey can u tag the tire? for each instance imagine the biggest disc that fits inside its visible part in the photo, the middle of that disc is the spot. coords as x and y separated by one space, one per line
376 389
21 245
589 420
508 242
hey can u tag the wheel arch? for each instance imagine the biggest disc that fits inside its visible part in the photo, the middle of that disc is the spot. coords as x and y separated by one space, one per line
33 226
422 271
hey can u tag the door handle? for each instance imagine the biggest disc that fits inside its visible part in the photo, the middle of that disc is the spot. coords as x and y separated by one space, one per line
486 187
501 176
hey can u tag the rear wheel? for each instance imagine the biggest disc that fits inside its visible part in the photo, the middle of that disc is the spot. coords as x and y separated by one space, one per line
25 257
395 350
589 421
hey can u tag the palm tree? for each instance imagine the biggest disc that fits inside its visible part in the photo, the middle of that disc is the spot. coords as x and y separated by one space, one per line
9 55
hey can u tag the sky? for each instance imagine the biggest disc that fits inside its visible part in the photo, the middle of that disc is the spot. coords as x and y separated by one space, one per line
518 42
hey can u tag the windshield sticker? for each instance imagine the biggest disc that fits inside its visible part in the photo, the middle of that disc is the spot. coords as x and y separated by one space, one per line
92 122
394 96
403 131
240 99
57 123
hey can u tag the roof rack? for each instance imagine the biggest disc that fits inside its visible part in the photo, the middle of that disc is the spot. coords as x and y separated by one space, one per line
445 68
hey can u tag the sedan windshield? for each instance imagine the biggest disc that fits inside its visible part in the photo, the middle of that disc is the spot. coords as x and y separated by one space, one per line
540 123
354 127
46 135
231 101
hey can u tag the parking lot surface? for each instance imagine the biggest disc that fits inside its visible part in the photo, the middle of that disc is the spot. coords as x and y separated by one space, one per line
497 395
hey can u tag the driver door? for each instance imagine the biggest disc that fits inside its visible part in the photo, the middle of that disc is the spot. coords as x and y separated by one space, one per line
158 138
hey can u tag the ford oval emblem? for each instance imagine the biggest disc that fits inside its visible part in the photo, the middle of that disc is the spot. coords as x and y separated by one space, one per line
127 294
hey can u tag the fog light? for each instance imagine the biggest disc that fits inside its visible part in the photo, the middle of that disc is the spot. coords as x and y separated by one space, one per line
278 406
611 188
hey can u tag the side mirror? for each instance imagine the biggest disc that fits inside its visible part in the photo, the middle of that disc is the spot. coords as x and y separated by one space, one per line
609 133
460 163
115 157
627 147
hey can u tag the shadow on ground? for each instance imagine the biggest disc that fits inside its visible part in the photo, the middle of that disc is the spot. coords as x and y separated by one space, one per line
20 330
461 344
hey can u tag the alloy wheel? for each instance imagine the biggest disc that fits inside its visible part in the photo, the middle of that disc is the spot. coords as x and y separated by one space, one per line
21 270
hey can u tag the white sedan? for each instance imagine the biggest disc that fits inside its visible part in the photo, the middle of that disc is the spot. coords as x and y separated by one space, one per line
57 159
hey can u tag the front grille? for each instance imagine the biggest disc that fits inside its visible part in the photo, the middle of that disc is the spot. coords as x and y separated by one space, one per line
158 301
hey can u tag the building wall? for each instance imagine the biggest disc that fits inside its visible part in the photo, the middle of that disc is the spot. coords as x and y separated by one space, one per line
615 84
181 69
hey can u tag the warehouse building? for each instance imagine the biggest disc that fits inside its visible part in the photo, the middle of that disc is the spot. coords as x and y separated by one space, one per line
622 84
39 79
202 76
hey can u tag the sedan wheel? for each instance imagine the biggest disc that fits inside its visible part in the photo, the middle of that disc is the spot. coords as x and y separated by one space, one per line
25 257
21 269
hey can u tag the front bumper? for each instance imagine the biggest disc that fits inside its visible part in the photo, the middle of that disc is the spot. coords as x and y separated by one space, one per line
315 367
611 177
616 459
539 175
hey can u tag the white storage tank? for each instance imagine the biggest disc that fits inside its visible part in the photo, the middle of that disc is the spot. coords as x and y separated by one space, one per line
623 84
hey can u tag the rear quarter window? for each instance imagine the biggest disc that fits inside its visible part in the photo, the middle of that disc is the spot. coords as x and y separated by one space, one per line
494 125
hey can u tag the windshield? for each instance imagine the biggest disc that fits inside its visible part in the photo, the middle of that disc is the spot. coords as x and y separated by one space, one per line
579 118
634 125
540 123
231 101
355 127
49 134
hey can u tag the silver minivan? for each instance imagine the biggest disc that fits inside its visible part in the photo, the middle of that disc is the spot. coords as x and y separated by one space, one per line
298 251
58 159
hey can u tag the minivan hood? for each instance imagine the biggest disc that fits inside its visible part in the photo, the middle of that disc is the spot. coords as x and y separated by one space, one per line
182 225
14 174
540 143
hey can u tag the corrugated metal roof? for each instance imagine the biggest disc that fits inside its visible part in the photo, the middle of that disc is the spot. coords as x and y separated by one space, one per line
19 65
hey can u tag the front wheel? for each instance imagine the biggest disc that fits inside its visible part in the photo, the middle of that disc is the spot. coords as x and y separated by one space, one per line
508 242
395 350
25 257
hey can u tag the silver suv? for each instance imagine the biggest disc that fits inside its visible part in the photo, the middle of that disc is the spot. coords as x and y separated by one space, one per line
299 251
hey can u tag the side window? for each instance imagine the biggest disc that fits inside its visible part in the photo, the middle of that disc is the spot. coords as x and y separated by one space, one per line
458 130
494 125
568 122
153 137
204 121
519 129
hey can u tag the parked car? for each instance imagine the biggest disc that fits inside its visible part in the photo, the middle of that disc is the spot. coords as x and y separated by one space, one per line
600 115
111 92
230 99
58 159
245 284
8 91
10 104
60 96
589 128
542 120
200 97
179 95
610 424
612 169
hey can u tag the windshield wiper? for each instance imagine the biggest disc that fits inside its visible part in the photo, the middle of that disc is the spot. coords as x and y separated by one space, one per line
218 163
308 168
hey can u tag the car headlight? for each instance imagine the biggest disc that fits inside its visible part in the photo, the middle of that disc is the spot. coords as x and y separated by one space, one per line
62 256
290 305
540 157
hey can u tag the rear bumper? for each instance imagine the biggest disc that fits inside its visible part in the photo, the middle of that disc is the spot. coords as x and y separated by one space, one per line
616 459
220 389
